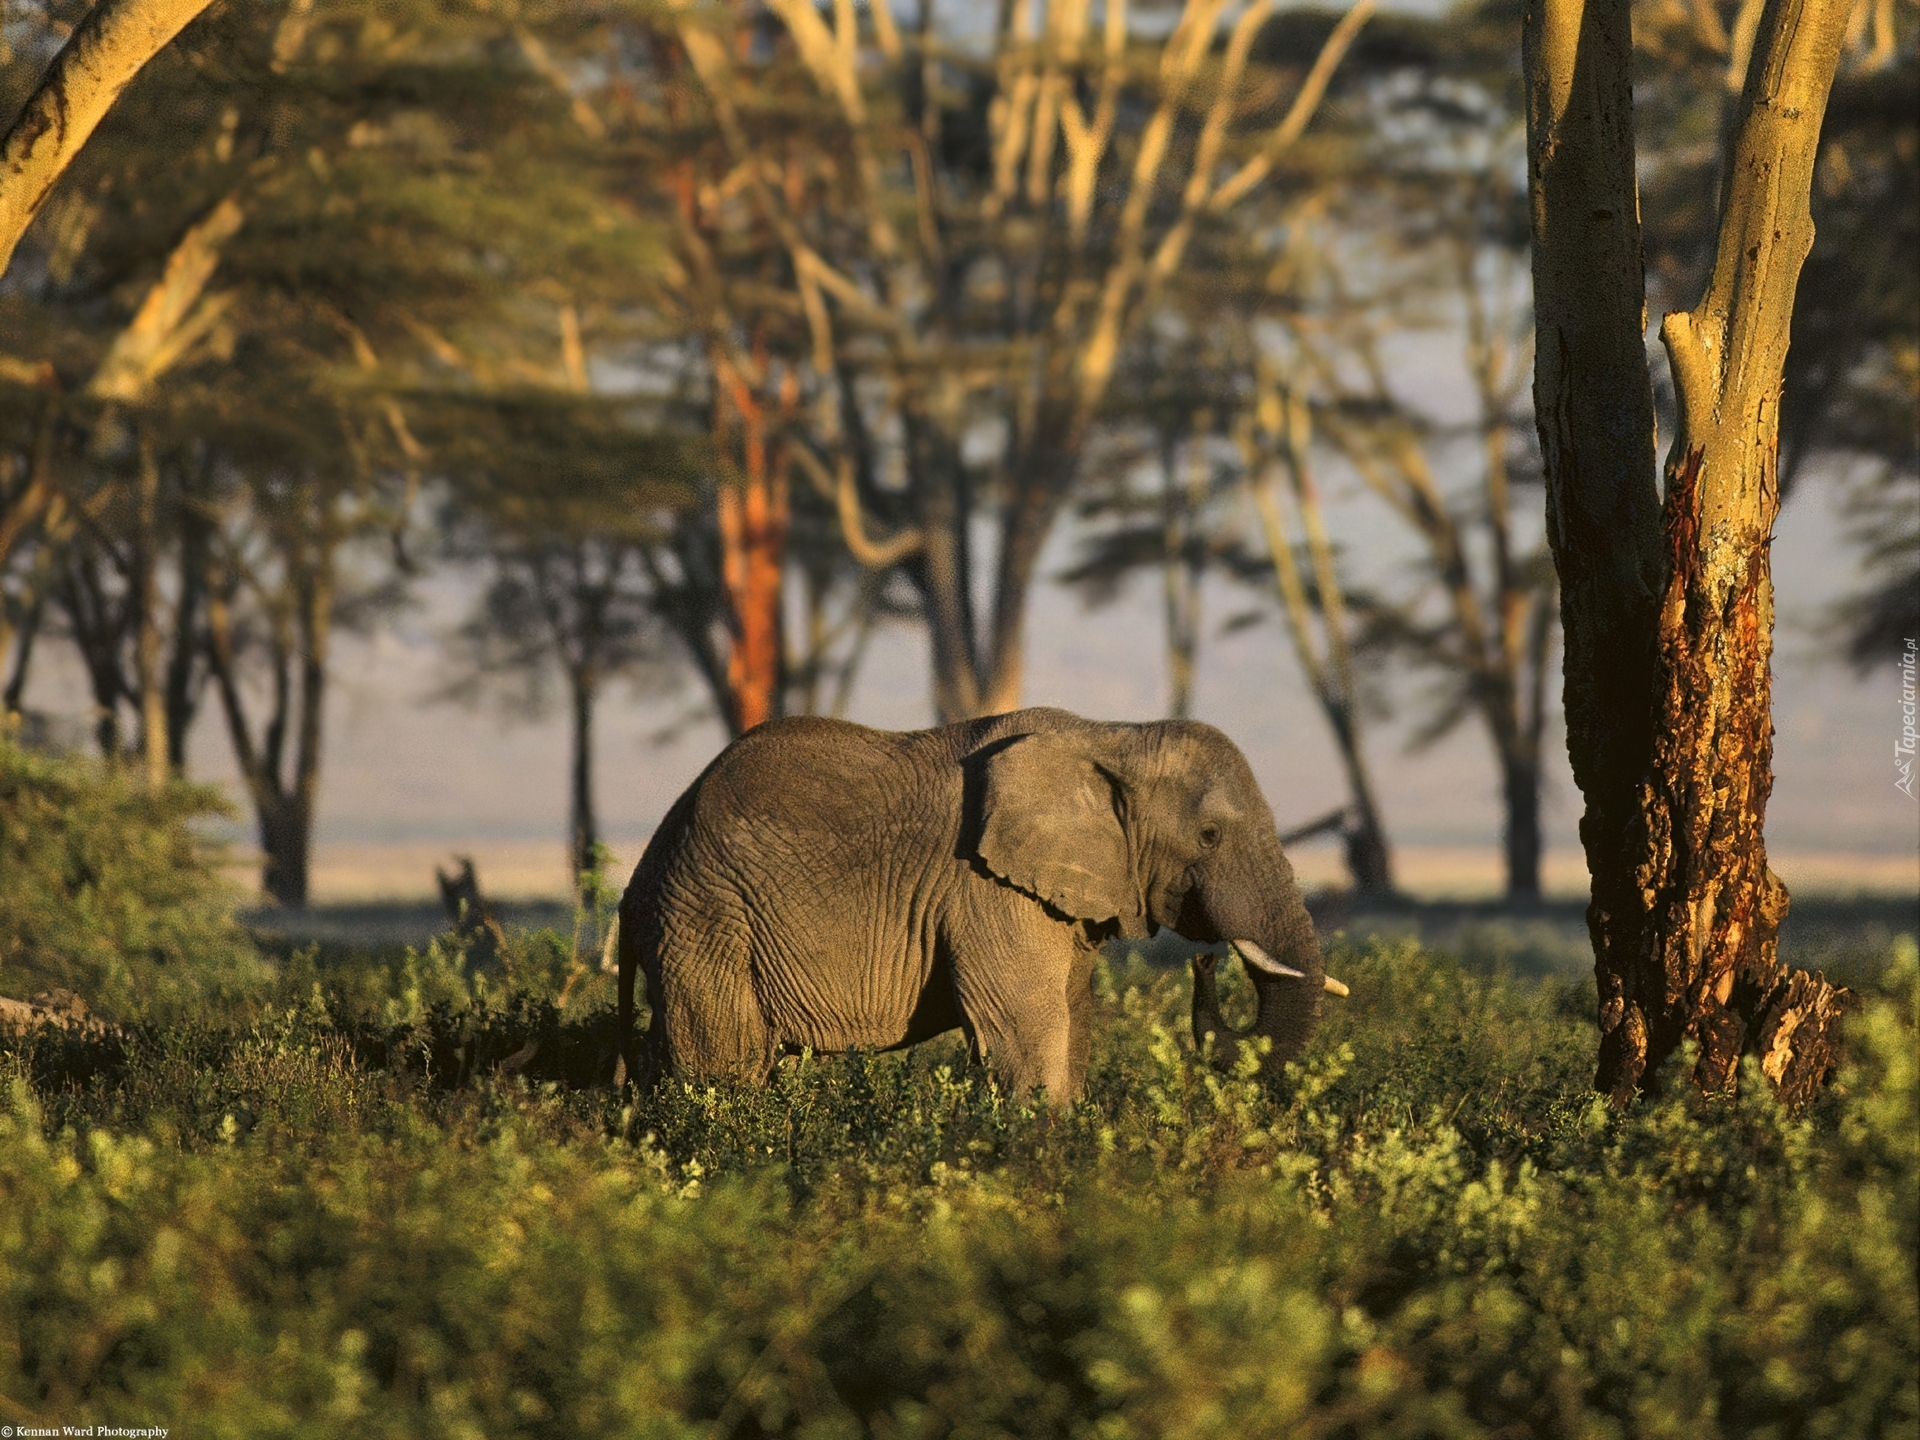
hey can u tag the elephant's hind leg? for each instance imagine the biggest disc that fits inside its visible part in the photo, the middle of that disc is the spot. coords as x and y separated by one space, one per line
713 1023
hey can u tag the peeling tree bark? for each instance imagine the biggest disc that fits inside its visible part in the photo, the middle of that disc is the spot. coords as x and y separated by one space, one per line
105 51
1703 861
1668 611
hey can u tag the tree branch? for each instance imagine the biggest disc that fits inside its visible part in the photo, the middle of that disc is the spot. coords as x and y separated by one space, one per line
1290 128
173 315
839 488
106 50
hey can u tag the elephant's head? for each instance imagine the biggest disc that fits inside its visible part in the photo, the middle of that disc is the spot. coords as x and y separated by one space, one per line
1157 825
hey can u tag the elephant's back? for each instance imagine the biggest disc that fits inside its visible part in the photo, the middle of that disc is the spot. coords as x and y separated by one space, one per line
802 802
829 791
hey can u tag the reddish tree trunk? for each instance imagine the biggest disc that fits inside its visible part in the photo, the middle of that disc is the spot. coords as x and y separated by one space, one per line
753 535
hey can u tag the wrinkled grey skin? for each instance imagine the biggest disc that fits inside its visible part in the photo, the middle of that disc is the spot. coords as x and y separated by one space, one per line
830 886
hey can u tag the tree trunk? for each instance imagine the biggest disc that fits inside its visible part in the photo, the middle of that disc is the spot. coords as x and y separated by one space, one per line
942 574
285 810
584 832
753 534
36 496
1668 615
284 807
1369 861
1520 789
1715 905
1593 404
286 828
1180 563
315 594
1525 843
1024 528
99 632
188 641
22 651
146 581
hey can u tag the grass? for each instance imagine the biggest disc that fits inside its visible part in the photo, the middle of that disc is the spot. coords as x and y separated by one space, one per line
340 1213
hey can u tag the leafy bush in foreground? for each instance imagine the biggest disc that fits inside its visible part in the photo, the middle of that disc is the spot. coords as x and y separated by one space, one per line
308 1227
106 891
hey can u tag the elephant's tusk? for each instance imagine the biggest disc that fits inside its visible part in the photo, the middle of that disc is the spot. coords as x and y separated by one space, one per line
1334 987
1254 955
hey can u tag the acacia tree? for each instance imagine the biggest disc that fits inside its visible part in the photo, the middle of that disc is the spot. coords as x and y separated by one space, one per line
968 244
279 552
1172 400
105 51
116 482
1851 386
1450 226
719 579
561 598
373 195
94 461
562 501
1211 414
1667 603
1276 438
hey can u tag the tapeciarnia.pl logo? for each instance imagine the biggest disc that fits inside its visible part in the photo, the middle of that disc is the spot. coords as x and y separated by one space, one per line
1903 748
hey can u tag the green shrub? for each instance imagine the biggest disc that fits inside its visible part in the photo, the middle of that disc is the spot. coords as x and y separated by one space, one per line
106 890
322 1223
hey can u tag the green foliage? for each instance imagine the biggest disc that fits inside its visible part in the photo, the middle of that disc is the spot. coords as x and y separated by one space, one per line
106 890
345 1214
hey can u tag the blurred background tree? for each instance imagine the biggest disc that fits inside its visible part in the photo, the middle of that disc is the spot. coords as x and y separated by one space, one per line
1445 215
298 216
757 327
951 244
563 502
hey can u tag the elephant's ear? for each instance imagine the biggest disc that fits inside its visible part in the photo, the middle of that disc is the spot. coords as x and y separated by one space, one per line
1049 826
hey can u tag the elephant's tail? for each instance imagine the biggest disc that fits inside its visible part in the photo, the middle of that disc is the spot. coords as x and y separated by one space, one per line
626 1069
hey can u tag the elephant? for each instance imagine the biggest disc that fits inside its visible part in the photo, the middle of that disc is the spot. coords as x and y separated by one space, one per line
828 886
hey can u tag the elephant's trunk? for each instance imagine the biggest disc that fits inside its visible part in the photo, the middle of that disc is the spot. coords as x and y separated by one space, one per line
1289 1010
1208 1022
1249 898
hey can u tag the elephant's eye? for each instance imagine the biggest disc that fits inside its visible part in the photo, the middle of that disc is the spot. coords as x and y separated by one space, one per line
1209 836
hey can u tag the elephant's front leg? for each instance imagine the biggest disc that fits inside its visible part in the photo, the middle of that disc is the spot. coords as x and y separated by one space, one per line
1022 979
1080 1011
